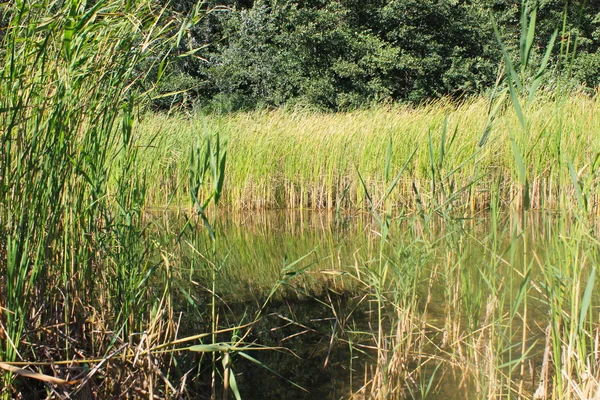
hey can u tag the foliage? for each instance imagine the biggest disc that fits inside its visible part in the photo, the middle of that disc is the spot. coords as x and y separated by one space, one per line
343 54
74 256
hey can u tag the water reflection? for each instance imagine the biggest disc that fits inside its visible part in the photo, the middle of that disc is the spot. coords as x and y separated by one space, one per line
457 283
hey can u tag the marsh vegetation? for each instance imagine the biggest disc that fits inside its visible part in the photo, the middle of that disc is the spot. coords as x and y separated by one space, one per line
443 249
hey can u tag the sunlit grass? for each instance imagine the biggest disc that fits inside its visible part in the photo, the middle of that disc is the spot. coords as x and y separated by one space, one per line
282 159
87 279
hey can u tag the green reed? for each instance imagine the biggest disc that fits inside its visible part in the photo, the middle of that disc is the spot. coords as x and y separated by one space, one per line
73 252
518 315
81 263
269 168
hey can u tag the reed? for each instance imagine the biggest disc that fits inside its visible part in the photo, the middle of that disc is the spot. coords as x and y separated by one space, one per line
519 315
75 264
269 166
506 304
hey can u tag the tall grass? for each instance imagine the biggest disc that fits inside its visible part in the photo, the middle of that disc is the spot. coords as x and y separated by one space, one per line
520 315
87 279
74 261
269 166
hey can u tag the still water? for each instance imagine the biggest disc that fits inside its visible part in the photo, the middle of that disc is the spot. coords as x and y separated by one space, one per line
321 289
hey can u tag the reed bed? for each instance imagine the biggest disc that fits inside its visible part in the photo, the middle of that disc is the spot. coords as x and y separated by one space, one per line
286 159
97 299
79 313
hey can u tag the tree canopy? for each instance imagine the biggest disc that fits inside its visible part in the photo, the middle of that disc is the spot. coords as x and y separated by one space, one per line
343 54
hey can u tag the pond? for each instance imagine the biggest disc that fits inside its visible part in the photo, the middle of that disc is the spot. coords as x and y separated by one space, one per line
415 307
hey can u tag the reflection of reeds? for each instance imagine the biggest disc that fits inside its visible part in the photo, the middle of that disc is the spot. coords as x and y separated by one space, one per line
491 309
258 246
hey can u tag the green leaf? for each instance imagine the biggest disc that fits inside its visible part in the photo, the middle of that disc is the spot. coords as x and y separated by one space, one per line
511 71
521 293
443 142
523 36
397 178
514 97
68 37
587 298
542 69
519 160
234 386
374 212
221 180
260 364
210 348
388 160
529 39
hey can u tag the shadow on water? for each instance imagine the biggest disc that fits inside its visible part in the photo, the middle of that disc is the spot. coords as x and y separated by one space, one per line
302 279
288 273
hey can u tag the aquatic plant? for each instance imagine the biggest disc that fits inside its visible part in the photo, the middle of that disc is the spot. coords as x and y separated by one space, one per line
74 265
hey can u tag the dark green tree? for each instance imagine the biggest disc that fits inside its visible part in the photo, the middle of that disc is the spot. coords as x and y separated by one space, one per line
342 54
